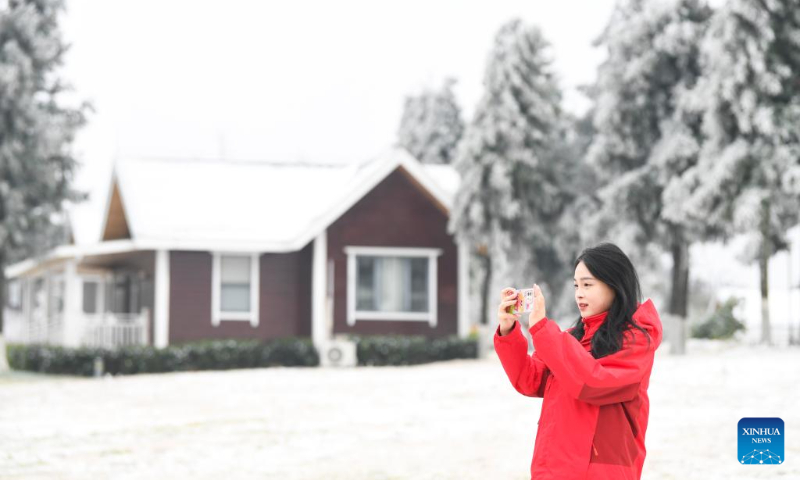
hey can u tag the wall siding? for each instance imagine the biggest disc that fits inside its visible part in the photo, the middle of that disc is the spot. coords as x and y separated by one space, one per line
395 214
285 298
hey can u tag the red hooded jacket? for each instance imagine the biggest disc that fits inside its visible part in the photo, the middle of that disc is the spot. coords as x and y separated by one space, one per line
594 413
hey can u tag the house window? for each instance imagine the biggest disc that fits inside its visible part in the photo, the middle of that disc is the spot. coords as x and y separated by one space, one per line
14 294
123 292
91 296
235 288
55 304
392 284
37 298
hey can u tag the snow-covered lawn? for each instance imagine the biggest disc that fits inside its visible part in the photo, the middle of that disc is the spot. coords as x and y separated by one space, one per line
450 420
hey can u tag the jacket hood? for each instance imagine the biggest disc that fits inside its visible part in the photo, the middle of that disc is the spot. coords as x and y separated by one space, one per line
648 318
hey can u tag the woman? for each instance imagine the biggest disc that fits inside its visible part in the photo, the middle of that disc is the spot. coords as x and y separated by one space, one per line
593 377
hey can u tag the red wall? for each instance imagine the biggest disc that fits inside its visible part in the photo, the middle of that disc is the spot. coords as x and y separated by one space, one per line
285 298
395 214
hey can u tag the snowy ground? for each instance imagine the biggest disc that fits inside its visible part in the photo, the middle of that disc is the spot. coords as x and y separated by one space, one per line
450 420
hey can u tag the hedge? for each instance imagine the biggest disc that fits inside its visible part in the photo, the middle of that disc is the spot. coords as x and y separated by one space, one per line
205 355
228 354
411 349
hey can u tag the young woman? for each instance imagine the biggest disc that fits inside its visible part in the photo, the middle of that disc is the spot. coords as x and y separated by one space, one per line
593 377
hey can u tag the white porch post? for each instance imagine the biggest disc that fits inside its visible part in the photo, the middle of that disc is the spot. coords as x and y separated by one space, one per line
161 300
321 331
73 309
463 290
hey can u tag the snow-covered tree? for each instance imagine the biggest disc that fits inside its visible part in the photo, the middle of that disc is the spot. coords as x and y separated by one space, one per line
749 96
643 139
36 131
431 126
513 182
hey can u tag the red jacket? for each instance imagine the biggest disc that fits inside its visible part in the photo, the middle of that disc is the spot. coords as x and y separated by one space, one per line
594 412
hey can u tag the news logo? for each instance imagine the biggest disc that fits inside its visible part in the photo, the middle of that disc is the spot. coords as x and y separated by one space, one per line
761 441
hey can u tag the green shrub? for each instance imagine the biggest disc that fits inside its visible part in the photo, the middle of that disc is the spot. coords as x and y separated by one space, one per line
227 354
411 349
204 355
721 324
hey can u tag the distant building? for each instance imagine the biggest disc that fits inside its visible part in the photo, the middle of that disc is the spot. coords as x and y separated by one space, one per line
197 249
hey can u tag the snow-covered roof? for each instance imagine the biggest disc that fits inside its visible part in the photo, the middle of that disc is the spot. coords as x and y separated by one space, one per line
242 205
246 205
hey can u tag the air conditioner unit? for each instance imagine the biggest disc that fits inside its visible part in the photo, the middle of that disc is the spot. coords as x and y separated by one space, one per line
338 353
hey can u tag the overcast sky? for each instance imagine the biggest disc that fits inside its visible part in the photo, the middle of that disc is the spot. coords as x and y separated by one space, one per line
320 81
313 80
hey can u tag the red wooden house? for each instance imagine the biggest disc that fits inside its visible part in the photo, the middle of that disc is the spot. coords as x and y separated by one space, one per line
196 249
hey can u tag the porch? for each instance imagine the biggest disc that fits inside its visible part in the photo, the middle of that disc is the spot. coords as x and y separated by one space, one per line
100 300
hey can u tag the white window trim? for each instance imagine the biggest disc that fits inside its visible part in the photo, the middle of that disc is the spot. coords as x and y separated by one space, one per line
354 315
218 316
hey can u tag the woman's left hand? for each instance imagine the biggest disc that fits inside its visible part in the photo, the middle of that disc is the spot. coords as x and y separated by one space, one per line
538 314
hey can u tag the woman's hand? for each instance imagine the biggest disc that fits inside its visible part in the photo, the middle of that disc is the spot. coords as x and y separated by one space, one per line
508 297
538 313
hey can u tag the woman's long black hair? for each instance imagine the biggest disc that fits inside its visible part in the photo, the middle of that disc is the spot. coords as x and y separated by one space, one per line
609 264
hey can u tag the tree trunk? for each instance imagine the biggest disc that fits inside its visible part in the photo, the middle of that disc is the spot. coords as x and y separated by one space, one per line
2 289
679 291
763 270
487 274
3 357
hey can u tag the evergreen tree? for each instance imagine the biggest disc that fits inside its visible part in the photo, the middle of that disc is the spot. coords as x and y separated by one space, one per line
749 98
644 139
431 125
512 190
36 131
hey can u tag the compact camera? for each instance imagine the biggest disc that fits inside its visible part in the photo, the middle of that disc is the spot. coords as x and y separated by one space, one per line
524 302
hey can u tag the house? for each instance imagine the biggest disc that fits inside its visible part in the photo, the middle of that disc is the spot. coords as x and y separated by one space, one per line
197 249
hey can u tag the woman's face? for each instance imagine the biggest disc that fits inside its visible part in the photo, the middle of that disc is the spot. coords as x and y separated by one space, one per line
591 295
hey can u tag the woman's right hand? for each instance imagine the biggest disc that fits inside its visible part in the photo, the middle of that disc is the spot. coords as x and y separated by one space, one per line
508 297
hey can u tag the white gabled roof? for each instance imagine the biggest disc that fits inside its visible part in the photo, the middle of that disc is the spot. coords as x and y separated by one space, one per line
242 205
254 206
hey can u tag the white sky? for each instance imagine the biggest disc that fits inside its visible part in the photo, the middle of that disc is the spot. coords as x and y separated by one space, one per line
312 80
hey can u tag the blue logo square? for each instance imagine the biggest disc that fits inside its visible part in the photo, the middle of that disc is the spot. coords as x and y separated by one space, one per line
761 441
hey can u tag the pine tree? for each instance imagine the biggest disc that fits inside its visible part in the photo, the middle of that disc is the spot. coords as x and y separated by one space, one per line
644 139
512 190
749 98
36 130
431 126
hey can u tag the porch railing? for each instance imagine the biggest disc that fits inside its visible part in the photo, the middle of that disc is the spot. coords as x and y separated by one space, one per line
113 330
16 329
106 330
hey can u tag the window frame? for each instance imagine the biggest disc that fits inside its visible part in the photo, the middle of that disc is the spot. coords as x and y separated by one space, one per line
432 254
217 315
